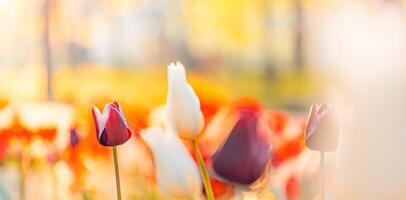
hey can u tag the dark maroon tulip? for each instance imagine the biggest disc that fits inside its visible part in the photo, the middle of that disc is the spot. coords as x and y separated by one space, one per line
322 128
111 127
244 156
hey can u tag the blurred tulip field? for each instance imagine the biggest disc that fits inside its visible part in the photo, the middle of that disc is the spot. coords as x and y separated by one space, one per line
189 99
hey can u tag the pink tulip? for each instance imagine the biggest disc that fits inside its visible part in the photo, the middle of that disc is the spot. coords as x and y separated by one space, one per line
111 126
322 128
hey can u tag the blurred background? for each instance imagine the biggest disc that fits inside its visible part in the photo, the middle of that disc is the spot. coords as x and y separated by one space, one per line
60 57
262 44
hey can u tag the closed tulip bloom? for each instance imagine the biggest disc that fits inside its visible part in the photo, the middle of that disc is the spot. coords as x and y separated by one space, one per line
176 172
244 157
182 104
111 126
322 128
74 137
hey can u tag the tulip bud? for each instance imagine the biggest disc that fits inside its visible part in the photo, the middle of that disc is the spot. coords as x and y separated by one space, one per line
244 156
322 128
111 126
182 105
74 137
176 172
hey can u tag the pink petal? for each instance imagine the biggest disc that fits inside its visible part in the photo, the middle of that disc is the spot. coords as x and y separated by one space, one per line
312 121
322 128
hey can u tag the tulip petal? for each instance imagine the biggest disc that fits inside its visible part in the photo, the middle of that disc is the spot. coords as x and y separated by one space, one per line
176 172
103 138
312 121
106 109
116 130
117 106
323 108
182 104
322 128
99 124
176 75
246 147
181 68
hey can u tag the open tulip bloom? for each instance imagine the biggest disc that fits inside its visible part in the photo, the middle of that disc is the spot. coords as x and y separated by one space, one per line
184 116
321 133
112 130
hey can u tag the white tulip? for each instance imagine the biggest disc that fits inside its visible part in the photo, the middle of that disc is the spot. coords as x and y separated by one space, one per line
176 172
184 116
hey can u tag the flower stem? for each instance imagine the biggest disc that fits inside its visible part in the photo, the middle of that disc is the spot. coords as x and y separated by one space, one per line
22 179
117 173
203 171
322 175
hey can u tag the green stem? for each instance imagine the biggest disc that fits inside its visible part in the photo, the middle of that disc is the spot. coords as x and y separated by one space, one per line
117 173
203 171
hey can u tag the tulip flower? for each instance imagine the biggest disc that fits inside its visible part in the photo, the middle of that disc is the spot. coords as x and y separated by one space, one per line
322 130
182 104
112 130
74 137
111 127
74 157
176 172
184 116
245 155
321 133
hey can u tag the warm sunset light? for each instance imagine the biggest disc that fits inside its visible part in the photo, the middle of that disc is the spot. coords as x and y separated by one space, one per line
214 99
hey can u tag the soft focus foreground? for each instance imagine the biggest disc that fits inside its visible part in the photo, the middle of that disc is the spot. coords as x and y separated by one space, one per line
50 150
256 67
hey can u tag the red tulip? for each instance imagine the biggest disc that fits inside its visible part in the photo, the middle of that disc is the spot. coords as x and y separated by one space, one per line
322 129
111 126
244 156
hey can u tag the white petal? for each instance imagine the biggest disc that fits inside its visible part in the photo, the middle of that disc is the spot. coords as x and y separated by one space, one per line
182 104
177 173
106 112
176 76
98 117
181 69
